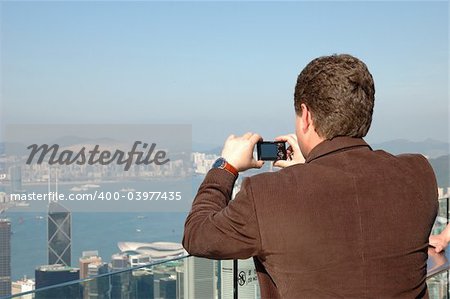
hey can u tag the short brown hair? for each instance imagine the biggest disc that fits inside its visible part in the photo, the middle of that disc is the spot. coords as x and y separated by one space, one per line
340 93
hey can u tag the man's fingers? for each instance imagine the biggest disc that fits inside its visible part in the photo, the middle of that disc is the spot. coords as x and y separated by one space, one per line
258 164
247 135
438 248
437 243
281 163
255 138
231 137
286 136
281 138
289 138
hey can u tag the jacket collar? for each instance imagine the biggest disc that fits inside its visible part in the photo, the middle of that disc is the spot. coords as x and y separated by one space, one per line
336 144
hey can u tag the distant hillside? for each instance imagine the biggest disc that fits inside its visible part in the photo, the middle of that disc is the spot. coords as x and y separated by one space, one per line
74 140
441 168
206 148
429 147
13 147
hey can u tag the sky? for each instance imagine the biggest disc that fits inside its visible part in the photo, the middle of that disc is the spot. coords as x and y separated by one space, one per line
224 67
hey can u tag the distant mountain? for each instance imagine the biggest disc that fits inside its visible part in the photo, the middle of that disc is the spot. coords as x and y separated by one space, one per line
74 140
206 148
15 148
429 147
65 143
441 167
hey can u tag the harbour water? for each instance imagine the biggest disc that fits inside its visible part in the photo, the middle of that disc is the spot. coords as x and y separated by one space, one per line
90 231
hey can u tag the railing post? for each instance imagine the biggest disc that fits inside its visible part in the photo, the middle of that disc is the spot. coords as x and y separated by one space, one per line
447 209
448 290
235 279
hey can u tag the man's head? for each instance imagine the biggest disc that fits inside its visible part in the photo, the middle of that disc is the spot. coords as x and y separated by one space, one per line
334 96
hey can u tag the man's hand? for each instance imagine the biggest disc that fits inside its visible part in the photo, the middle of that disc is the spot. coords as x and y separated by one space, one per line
238 151
439 242
294 154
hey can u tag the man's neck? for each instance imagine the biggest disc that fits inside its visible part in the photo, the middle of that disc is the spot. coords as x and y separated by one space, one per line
312 143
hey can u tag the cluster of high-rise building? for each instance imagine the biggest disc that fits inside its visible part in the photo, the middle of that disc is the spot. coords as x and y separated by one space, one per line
442 193
38 173
203 162
5 257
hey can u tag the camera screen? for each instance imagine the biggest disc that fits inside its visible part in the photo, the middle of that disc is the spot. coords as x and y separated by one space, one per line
271 151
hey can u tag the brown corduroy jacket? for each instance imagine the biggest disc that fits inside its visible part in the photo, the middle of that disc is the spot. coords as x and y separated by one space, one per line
350 222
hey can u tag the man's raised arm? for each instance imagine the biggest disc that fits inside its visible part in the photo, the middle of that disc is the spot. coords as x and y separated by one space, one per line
216 226
219 228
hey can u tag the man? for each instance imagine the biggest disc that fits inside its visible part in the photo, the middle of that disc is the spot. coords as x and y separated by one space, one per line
349 222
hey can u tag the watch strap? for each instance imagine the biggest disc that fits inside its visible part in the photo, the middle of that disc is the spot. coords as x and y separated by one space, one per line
221 163
230 168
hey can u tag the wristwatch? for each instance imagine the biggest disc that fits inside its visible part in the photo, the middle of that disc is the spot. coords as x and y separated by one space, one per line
221 163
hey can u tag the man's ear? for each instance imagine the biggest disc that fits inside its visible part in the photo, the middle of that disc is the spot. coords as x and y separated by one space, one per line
305 119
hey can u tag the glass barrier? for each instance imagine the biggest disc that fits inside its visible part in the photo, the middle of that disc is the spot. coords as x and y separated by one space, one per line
438 281
442 217
186 277
162 280
438 285
190 277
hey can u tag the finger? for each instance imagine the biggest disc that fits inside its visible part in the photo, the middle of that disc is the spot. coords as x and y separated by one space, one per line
232 136
289 138
247 135
434 240
257 164
255 138
281 138
292 142
286 136
438 248
281 163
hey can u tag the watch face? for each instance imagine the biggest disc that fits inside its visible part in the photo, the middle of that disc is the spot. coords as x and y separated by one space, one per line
219 163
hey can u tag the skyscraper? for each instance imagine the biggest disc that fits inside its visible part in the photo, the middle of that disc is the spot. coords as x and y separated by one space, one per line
48 275
23 285
5 257
98 288
91 264
59 227
120 282
158 274
15 173
180 282
248 287
142 284
200 278
168 287
87 258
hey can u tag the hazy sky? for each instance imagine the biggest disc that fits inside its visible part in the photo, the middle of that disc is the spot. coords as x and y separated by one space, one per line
224 67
